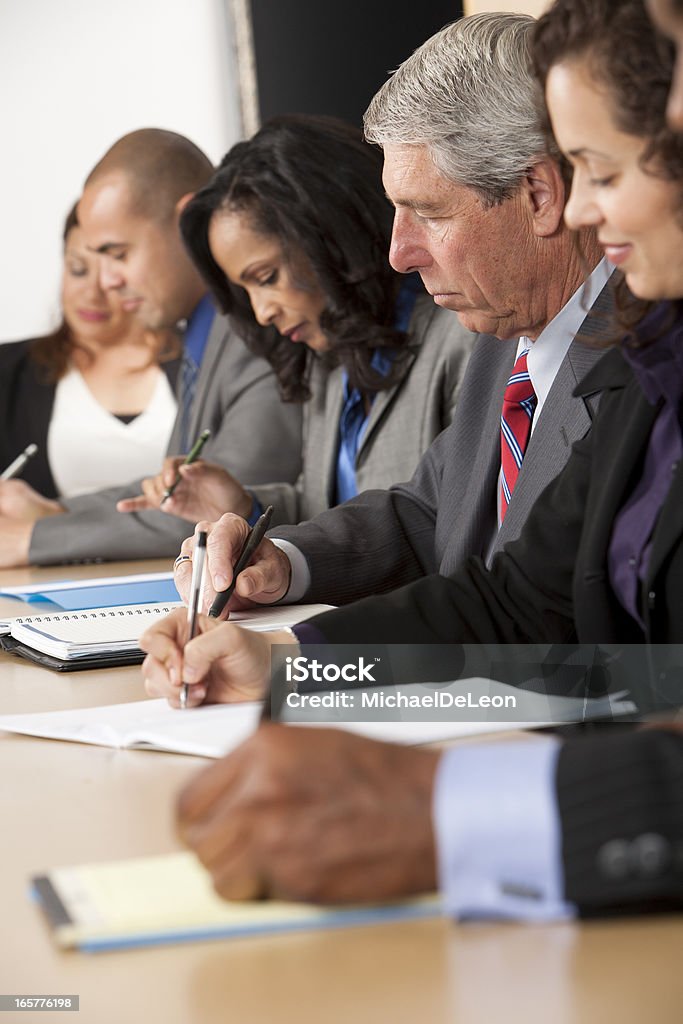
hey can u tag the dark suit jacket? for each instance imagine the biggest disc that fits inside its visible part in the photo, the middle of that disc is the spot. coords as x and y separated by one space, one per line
26 401
621 809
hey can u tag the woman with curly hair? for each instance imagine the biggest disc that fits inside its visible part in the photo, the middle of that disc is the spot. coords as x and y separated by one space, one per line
292 236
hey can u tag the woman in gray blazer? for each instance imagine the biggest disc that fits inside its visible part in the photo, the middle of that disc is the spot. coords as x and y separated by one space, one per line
292 236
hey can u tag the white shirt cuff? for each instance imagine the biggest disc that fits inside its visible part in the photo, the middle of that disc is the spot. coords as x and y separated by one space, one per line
301 576
498 832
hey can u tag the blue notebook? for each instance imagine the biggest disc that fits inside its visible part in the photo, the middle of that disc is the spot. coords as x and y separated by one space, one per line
168 899
107 592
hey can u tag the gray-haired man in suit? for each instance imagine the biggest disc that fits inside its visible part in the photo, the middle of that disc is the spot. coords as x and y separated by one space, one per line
479 200
129 214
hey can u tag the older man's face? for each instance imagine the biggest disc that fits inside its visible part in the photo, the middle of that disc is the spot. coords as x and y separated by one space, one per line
667 15
473 259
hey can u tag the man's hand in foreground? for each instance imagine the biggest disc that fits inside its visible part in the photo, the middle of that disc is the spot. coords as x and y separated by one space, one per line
314 814
222 664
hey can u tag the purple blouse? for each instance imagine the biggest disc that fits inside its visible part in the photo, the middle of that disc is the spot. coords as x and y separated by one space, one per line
658 368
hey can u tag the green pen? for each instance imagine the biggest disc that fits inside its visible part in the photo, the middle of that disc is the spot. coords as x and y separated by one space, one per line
192 456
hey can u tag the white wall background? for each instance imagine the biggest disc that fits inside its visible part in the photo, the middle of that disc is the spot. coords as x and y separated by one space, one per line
535 7
74 76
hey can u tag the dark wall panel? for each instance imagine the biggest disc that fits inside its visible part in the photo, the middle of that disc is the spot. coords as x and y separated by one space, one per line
322 57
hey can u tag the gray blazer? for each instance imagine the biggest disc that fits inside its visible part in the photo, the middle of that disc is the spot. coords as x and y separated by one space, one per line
403 421
381 540
253 434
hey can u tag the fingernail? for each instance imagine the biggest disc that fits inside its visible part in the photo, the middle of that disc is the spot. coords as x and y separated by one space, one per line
199 692
173 675
246 587
220 582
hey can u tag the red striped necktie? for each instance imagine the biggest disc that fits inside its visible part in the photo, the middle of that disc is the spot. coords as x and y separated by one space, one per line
519 403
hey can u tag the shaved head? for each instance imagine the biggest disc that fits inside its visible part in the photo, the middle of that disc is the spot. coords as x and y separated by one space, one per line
160 168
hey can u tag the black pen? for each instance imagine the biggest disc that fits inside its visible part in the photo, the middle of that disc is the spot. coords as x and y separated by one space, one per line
192 456
254 538
196 587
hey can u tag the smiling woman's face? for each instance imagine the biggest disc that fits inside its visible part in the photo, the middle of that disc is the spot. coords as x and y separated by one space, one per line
636 213
92 314
292 304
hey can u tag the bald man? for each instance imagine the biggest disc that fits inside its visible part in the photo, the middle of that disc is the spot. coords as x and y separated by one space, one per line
129 214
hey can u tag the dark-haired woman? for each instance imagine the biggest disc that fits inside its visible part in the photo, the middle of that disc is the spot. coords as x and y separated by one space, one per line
292 235
91 394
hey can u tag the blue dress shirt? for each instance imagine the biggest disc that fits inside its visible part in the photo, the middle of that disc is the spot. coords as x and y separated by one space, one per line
195 338
354 416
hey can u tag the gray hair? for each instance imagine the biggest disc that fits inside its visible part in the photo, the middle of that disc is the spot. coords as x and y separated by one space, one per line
469 95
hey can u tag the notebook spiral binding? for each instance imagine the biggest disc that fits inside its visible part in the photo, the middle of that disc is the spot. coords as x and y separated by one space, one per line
153 609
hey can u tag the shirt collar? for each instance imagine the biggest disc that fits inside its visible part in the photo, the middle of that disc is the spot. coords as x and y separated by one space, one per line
549 349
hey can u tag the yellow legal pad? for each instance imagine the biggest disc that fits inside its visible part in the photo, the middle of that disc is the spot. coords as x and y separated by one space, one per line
167 899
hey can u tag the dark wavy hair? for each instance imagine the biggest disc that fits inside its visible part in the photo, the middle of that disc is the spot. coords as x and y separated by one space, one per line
314 185
634 62
52 352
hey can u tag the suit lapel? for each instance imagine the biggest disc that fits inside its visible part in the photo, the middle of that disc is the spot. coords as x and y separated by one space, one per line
669 525
327 442
382 402
617 469
564 419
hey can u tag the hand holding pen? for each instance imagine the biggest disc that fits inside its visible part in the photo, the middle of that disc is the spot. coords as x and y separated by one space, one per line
253 539
155 489
192 456
264 581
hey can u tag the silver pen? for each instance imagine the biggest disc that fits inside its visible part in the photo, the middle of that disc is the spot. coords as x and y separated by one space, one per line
196 588
15 468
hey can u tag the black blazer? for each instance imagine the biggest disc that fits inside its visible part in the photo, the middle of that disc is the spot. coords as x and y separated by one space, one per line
620 799
26 401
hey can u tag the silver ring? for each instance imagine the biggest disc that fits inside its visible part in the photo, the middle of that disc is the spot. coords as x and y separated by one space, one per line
181 558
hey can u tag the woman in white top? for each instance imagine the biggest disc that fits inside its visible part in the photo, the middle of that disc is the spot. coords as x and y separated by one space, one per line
96 395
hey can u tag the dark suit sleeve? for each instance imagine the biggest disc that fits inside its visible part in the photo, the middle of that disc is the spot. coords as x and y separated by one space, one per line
526 597
377 541
621 806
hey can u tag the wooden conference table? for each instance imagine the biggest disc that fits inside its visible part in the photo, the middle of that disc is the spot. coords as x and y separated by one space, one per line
63 803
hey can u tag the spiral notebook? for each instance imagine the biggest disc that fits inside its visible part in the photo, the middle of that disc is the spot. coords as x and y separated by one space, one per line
103 637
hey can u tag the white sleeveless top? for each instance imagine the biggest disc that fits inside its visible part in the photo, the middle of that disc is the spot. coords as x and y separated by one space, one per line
88 448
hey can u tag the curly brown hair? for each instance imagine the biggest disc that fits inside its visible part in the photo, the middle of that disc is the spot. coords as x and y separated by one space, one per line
634 62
